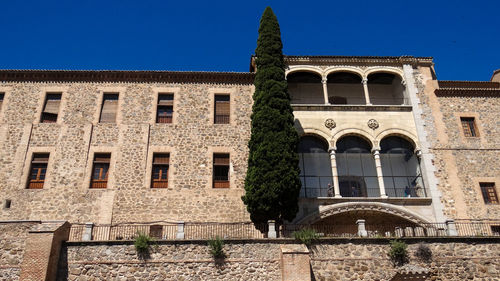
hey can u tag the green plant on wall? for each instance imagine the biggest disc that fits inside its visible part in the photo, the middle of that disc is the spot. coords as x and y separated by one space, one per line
216 247
142 244
306 236
398 252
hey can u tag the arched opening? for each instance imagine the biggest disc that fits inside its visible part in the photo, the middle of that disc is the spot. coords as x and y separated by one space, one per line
345 88
315 168
305 88
356 168
386 89
401 168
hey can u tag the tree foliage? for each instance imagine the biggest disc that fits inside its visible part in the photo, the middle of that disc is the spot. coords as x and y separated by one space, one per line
272 182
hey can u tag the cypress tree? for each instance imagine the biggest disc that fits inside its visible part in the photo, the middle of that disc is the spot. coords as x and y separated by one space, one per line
272 182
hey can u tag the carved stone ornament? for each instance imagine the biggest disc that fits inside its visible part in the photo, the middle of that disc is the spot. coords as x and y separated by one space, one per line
372 124
330 123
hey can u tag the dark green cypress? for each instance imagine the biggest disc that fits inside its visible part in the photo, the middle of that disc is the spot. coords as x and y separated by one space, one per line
272 182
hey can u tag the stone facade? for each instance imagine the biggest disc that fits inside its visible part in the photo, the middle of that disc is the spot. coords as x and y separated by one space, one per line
337 259
190 139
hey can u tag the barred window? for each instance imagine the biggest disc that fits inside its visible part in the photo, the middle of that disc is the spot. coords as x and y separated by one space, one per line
221 170
38 170
159 177
165 108
469 126
100 170
222 109
109 108
489 192
51 108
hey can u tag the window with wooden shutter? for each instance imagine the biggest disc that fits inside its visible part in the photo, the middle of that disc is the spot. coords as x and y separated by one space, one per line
38 170
165 108
109 108
159 175
221 170
1 100
222 109
469 126
100 170
489 192
51 108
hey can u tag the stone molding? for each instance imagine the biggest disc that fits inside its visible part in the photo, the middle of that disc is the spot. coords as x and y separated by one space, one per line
340 208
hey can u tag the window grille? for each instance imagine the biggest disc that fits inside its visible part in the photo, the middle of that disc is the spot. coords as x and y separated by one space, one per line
221 170
469 126
489 192
100 170
159 177
38 170
165 108
222 109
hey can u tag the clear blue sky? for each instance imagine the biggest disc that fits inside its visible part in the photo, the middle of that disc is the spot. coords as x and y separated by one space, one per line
462 36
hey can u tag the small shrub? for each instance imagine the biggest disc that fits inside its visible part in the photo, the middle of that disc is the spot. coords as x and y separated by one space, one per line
306 236
216 246
398 252
142 244
423 253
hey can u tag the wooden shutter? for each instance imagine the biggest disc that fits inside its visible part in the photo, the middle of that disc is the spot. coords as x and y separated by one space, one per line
221 170
221 159
101 168
161 158
469 126
38 170
166 99
109 108
222 109
489 192
52 103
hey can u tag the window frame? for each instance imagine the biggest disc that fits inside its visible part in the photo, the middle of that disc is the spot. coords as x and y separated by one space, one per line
469 127
37 183
160 183
216 184
104 94
158 105
45 117
486 193
94 184
228 116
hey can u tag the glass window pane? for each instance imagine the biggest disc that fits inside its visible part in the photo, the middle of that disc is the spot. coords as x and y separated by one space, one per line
368 164
354 164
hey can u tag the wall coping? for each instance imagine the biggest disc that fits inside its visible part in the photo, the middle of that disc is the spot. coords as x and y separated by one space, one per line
325 240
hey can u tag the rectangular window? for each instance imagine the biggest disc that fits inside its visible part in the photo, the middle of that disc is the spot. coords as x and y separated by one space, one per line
159 177
51 108
38 170
221 109
469 126
489 192
100 170
221 170
109 108
165 108
2 95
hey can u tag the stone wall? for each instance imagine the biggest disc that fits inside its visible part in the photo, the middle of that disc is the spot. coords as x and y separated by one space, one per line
331 259
12 247
462 162
246 260
190 139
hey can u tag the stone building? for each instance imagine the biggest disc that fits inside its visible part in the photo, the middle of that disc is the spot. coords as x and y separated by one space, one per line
381 139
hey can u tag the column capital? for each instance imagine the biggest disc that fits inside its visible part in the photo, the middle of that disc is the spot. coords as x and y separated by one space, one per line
324 80
376 151
418 152
364 81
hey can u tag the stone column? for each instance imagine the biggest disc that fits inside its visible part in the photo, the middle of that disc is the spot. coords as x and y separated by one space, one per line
271 232
380 176
362 228
365 89
325 90
87 231
180 230
335 175
451 228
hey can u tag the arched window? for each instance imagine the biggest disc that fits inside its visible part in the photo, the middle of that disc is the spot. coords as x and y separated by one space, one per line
315 168
401 168
356 168
386 89
305 88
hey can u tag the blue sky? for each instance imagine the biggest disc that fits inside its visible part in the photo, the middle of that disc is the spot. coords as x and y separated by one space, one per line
462 36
